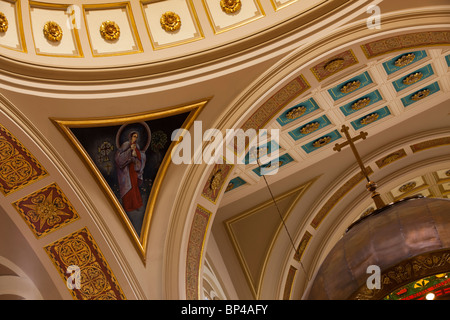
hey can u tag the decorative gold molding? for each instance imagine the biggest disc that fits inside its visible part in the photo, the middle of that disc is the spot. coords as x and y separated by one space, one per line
52 31
64 125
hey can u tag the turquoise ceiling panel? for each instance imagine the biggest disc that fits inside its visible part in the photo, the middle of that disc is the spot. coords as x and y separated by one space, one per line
390 66
426 72
337 93
282 161
370 118
321 142
421 94
373 97
309 106
235 183
310 127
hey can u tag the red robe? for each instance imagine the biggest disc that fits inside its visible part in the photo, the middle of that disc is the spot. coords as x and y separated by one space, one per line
132 200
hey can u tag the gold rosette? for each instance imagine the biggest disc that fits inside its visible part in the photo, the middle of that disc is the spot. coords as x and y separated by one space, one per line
230 6
52 31
3 22
109 30
170 21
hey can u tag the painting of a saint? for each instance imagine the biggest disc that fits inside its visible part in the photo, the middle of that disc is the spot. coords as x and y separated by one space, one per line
130 164
128 156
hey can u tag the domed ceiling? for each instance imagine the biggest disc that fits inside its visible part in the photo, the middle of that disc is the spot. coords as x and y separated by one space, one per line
302 68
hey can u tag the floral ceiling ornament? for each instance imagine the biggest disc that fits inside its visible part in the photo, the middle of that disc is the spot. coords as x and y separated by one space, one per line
413 78
52 31
3 22
370 118
296 112
109 30
170 21
407 187
310 127
322 141
334 65
404 60
361 103
351 86
420 95
230 6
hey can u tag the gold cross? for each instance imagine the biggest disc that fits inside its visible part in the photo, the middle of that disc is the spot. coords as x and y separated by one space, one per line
371 186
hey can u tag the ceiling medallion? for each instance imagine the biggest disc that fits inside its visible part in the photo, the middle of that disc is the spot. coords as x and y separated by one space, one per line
361 103
413 78
230 186
52 31
447 173
109 30
321 142
3 22
216 180
296 112
404 60
310 127
230 6
334 65
407 187
420 95
351 86
370 118
170 21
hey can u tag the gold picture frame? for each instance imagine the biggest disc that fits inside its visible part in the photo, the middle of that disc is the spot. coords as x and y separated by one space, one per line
65 126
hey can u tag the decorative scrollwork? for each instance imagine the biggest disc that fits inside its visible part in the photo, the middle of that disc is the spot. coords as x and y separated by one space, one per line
310 127
216 180
334 65
351 86
370 118
413 78
52 31
404 60
296 112
420 95
170 21
407 187
230 6
109 30
321 142
361 103
3 22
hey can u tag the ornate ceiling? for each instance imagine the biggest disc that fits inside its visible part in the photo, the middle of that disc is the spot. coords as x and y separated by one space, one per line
304 68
